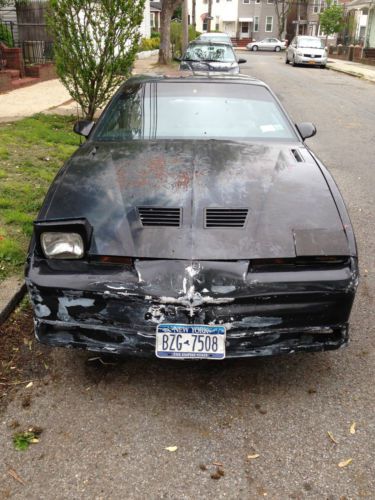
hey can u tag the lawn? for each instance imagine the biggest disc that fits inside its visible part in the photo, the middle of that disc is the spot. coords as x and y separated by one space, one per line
32 151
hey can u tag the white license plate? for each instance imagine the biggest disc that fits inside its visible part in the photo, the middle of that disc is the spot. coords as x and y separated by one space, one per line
190 341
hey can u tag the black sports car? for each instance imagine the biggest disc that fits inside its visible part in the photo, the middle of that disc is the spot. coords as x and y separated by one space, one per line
193 223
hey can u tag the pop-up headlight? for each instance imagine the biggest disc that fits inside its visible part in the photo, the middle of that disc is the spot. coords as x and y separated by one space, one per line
63 239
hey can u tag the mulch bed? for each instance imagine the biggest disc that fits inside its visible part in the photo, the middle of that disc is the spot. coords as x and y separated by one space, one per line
22 358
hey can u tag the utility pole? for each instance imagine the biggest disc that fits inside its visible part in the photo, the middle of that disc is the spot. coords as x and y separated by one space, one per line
193 10
185 26
209 17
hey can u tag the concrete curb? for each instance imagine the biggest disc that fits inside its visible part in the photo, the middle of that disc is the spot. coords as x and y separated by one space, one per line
9 305
351 73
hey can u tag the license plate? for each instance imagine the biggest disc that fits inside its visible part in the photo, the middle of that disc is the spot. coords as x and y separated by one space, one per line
190 341
311 62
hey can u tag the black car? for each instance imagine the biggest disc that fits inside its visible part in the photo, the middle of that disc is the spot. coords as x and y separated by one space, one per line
202 55
194 222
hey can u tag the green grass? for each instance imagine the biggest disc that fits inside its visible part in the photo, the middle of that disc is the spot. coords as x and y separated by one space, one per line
32 151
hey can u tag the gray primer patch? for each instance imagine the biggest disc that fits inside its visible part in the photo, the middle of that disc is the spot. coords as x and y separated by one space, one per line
223 289
42 311
66 302
258 321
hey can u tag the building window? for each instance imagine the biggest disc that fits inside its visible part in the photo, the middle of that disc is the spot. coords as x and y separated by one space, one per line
257 1
217 27
270 1
245 1
205 25
256 23
269 24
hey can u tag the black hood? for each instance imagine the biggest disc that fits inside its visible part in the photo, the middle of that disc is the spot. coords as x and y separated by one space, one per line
290 209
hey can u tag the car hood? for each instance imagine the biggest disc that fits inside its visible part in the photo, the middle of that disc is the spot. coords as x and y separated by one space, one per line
290 209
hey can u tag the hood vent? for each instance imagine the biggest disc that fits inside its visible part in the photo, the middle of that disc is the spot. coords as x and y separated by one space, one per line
162 217
225 217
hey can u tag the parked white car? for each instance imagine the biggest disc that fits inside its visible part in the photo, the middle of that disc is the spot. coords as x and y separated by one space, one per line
267 44
306 50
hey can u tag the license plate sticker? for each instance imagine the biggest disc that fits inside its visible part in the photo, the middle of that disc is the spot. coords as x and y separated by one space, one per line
190 341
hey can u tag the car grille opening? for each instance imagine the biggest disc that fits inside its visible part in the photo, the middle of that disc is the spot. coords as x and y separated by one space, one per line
225 217
160 216
299 263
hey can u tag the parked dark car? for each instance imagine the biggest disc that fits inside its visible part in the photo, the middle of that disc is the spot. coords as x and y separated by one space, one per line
194 222
210 56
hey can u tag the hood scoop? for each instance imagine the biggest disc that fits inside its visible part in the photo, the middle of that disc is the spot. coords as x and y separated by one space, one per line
225 217
160 216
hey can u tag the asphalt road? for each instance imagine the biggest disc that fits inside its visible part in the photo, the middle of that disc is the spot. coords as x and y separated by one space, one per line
106 428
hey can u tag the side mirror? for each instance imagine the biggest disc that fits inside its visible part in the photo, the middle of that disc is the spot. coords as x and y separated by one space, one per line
241 60
306 129
83 127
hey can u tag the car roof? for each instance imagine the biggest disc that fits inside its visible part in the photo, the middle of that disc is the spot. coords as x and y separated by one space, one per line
210 42
215 33
196 76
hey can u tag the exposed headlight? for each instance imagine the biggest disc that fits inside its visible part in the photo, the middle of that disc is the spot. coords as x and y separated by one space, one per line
58 245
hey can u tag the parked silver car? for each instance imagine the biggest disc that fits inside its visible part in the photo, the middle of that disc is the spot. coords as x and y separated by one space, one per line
307 50
267 44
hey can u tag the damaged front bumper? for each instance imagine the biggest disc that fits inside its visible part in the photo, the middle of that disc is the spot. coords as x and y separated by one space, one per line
116 309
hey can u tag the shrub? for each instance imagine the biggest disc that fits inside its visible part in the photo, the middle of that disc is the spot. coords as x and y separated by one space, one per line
149 44
96 46
176 37
6 36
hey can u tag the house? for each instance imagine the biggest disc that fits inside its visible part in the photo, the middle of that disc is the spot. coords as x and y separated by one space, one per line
155 9
242 20
363 14
145 27
306 21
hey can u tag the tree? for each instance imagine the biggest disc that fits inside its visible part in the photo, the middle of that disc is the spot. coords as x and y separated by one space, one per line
95 46
282 10
167 9
332 19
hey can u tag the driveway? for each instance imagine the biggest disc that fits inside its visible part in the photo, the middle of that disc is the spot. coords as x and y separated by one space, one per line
263 423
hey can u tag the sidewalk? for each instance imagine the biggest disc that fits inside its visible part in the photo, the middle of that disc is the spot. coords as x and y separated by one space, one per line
364 71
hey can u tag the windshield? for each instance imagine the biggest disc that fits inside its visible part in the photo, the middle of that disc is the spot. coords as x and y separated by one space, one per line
212 52
193 110
310 43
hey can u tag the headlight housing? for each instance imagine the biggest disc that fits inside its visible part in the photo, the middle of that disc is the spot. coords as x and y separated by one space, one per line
63 238
58 245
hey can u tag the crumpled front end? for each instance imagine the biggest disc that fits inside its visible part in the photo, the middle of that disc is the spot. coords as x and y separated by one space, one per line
265 307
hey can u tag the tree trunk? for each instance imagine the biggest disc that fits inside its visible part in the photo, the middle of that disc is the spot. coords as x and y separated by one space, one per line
193 9
165 34
167 9
185 26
